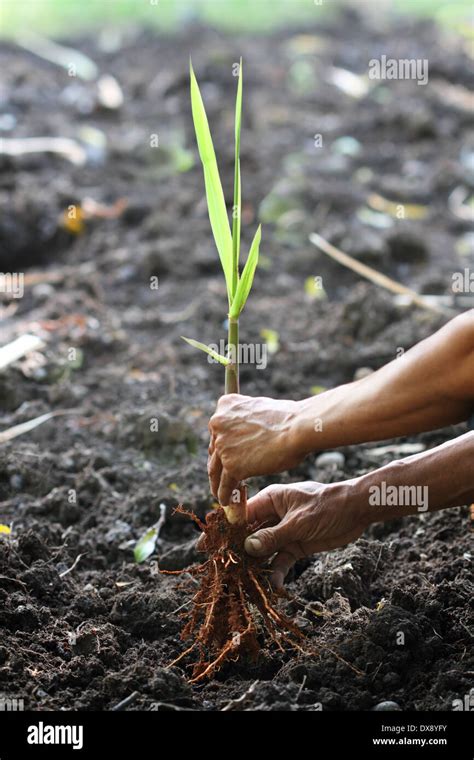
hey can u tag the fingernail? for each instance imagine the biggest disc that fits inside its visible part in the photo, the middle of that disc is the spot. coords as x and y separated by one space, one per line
253 545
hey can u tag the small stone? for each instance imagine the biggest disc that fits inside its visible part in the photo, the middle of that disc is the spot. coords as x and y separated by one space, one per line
331 459
386 706
346 146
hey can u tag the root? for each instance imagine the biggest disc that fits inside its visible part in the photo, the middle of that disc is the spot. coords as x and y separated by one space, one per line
235 609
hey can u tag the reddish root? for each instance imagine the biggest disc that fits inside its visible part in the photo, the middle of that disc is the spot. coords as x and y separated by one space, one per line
235 609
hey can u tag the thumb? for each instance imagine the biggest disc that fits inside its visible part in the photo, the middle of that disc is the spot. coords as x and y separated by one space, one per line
266 505
267 541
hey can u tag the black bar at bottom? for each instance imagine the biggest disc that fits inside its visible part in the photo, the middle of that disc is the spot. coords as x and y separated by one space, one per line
149 734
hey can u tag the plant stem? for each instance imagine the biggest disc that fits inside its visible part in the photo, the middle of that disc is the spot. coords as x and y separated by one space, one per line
232 369
234 511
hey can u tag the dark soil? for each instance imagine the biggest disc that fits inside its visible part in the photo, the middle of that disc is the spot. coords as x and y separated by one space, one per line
91 483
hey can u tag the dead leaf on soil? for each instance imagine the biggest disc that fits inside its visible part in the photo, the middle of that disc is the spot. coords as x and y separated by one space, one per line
25 427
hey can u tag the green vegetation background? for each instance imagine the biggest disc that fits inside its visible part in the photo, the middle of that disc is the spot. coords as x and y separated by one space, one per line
69 16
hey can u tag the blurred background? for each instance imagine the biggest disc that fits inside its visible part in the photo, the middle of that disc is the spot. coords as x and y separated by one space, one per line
57 16
101 182
103 214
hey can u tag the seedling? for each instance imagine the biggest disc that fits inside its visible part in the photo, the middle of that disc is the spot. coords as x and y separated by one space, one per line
235 604
238 284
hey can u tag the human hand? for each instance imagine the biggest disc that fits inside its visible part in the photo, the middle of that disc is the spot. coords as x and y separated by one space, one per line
304 518
250 436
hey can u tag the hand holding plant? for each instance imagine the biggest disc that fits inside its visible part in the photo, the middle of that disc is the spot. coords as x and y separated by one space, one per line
238 284
302 519
235 603
251 436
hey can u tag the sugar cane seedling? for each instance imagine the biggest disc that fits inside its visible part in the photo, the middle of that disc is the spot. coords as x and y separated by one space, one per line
238 284
235 605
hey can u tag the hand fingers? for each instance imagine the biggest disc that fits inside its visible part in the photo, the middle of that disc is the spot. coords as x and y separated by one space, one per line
214 469
261 507
282 564
226 486
267 541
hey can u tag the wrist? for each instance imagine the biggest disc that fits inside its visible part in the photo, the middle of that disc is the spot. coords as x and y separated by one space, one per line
373 494
306 427
352 496
326 420
359 498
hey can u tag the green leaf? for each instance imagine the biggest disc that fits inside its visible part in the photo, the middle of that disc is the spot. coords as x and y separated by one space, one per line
238 110
246 279
236 212
145 545
202 347
237 207
214 193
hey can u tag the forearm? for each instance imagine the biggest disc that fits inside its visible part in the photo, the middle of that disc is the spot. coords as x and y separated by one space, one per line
430 386
314 517
436 479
